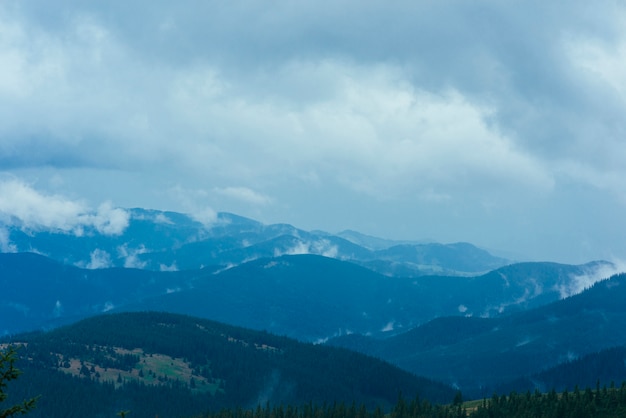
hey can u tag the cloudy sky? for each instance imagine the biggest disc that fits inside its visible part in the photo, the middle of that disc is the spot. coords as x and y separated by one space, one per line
501 123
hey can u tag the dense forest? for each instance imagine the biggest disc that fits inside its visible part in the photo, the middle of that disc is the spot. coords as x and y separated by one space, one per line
599 403
173 365
157 365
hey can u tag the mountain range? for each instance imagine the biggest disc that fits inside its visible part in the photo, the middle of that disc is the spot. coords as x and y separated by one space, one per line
452 313
308 297
156 240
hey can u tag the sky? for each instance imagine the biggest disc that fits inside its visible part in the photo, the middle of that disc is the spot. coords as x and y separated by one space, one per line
500 123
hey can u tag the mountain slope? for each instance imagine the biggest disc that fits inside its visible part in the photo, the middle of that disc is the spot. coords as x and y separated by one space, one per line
156 240
308 297
123 359
479 353
312 298
38 292
605 367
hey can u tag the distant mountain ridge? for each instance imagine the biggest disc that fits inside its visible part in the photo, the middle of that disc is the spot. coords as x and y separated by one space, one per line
308 297
478 354
157 240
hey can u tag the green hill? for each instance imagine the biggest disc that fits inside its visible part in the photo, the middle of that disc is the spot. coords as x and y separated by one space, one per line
172 365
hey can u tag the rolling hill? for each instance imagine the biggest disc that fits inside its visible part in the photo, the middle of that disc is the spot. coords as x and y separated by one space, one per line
172 365
478 354
308 297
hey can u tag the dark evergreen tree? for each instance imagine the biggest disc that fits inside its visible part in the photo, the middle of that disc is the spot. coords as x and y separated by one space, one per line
9 372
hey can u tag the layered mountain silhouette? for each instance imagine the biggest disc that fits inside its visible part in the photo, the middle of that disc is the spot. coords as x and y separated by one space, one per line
451 312
156 240
308 297
479 354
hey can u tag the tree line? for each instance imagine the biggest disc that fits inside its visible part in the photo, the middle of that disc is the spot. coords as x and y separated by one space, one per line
605 402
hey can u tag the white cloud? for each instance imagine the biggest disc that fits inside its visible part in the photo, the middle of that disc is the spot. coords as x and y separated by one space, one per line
131 256
99 259
165 267
389 327
109 220
108 306
21 201
194 202
367 125
371 129
601 271
35 210
602 59
163 219
244 194
6 246
58 309
321 247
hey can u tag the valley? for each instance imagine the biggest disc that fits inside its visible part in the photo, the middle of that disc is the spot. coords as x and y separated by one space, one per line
299 307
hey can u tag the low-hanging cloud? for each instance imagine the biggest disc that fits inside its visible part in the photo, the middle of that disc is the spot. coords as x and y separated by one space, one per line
99 259
24 206
594 274
6 246
132 257
321 247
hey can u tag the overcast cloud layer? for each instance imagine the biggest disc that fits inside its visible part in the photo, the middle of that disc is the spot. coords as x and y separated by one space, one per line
498 123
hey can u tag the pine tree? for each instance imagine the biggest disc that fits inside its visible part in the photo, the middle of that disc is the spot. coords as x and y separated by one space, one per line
8 372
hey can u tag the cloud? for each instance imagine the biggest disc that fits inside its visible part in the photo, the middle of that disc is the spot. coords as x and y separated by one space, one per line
131 256
594 274
21 203
321 247
165 267
162 219
108 306
371 130
99 259
6 246
389 327
367 126
58 309
455 111
244 194
194 202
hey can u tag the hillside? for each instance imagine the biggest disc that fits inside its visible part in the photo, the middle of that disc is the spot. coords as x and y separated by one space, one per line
313 298
39 293
605 368
308 297
478 354
165 364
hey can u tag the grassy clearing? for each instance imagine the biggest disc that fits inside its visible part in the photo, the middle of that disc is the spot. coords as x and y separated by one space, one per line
151 369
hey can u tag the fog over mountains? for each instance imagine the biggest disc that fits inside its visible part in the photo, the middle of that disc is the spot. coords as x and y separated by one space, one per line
442 311
435 184
166 241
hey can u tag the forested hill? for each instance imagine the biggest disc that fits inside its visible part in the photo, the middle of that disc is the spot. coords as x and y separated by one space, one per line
480 354
171 365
